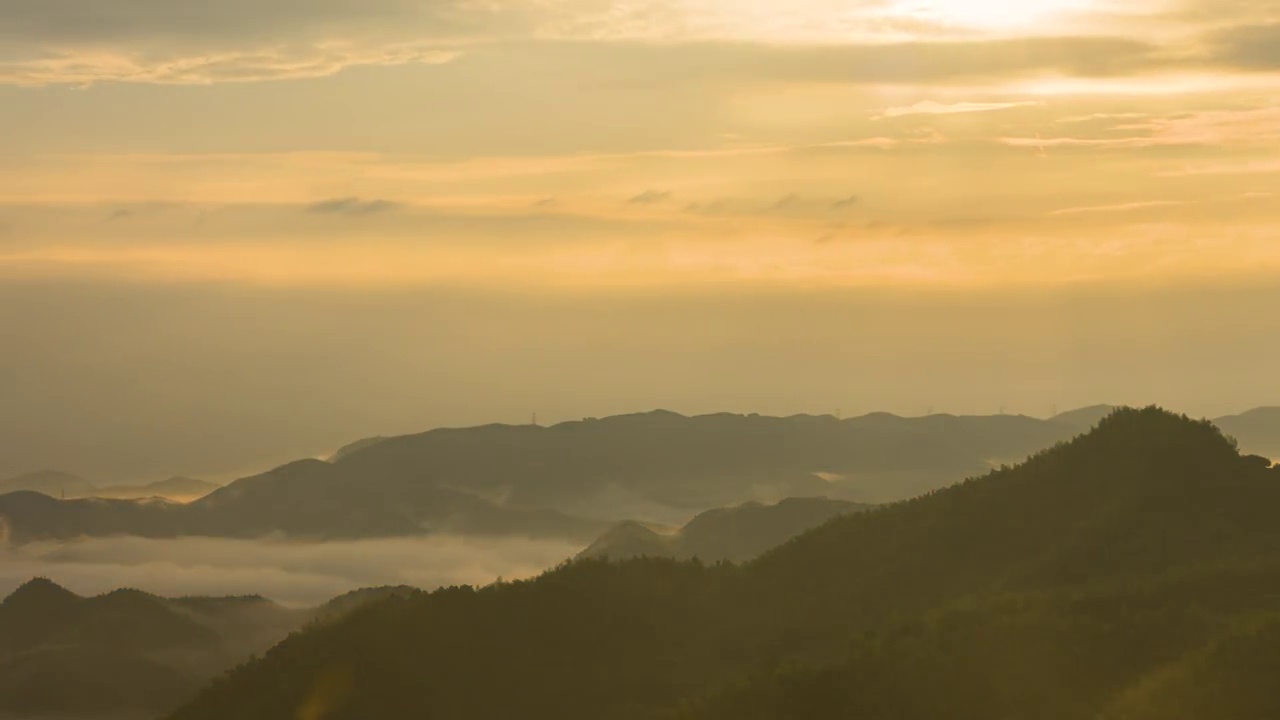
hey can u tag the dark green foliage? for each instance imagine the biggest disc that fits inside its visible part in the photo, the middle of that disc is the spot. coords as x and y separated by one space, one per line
1063 589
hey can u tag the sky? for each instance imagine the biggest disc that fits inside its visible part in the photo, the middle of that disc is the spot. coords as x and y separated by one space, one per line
237 233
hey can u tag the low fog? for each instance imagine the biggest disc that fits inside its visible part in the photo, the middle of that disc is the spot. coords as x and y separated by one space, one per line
292 573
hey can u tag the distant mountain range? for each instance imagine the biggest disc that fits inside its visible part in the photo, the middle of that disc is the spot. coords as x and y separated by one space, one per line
129 653
575 480
1258 431
60 484
1130 573
735 534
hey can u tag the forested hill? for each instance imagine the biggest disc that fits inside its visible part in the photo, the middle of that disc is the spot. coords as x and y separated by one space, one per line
1081 584
738 533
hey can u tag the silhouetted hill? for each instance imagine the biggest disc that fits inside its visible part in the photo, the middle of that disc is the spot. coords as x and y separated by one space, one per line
356 446
1085 418
29 516
301 499
181 489
343 604
129 652
736 534
1257 431
700 462
57 484
1050 590
49 482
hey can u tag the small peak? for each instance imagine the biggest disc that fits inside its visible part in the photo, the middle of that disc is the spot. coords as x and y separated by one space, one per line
123 598
40 590
1161 431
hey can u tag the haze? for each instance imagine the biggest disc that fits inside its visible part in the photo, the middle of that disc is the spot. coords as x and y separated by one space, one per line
233 234
293 573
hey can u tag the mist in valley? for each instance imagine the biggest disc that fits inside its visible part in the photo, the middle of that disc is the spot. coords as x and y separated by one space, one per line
298 574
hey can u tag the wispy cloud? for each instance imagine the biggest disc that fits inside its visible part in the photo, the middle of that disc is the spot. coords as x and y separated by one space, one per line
1205 128
1250 167
650 197
930 107
352 206
789 205
1118 208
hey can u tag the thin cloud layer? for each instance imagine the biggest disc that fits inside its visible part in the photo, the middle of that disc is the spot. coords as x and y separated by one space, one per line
185 41
301 574
353 206
930 107
885 41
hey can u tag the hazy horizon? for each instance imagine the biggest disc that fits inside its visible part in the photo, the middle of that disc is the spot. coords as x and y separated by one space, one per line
124 382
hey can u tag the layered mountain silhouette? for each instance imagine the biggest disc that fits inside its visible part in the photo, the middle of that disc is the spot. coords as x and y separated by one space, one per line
129 653
59 485
734 534
575 480
572 480
1077 585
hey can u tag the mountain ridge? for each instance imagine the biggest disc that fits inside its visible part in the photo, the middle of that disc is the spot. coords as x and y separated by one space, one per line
1143 495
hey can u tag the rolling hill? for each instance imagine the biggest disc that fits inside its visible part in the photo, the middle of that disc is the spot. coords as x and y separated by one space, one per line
124 652
1065 587
132 654
57 484
735 534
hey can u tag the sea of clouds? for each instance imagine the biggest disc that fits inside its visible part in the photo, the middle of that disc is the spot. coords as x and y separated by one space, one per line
290 572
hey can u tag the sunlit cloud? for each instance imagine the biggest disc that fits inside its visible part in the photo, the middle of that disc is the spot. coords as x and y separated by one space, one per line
1123 207
930 107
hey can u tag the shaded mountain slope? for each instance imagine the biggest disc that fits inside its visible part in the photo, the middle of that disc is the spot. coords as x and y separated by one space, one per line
736 534
1145 497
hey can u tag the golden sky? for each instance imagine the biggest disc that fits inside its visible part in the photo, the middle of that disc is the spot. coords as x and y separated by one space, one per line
609 142
243 230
